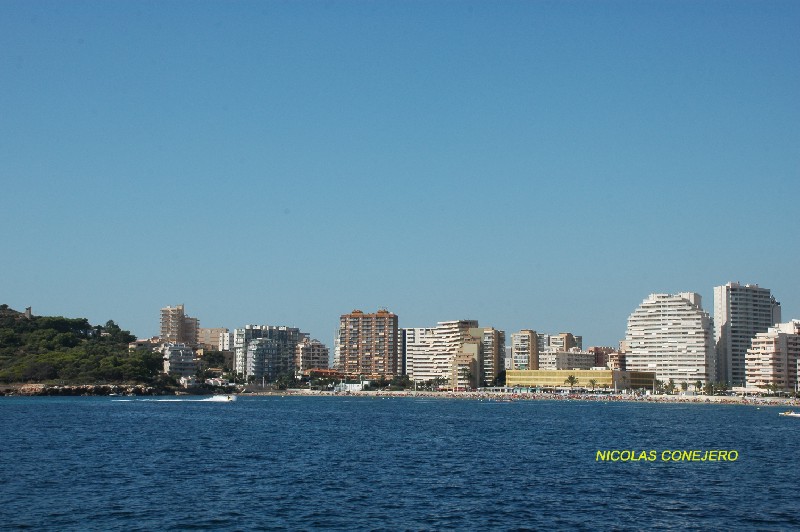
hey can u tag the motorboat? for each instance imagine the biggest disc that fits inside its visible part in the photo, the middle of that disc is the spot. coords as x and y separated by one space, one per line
790 413
222 398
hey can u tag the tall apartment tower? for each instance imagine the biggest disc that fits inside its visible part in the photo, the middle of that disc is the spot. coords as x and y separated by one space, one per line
492 344
672 336
772 361
525 349
740 312
366 344
177 327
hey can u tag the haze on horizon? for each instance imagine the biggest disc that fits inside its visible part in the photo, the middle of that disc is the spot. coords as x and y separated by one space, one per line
539 165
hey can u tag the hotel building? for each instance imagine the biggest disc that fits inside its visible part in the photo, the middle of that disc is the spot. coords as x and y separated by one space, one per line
672 336
740 312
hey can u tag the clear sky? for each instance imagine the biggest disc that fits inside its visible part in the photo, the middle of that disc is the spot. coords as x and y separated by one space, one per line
527 164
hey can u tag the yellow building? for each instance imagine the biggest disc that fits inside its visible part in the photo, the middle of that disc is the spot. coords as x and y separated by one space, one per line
603 379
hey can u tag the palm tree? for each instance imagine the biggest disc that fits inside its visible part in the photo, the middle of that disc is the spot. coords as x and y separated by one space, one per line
592 383
670 387
698 386
571 381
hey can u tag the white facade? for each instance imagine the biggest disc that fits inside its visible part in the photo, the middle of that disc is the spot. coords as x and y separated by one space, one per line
430 351
740 312
179 359
671 335
772 359
557 360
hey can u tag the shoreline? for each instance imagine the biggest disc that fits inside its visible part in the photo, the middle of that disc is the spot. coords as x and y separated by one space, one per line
100 390
539 396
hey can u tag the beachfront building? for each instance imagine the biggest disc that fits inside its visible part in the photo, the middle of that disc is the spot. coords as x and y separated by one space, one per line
573 359
366 344
261 360
430 350
179 359
597 379
740 312
771 363
672 336
177 327
525 349
311 354
490 357
286 340
465 367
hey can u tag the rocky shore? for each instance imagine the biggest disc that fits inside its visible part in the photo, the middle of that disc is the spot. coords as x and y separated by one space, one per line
82 389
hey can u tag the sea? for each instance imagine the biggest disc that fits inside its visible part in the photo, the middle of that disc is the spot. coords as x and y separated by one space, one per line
404 463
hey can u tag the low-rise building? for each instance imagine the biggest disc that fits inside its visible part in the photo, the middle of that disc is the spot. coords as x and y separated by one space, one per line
586 379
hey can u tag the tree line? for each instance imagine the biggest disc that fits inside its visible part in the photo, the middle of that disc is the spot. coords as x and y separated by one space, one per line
70 351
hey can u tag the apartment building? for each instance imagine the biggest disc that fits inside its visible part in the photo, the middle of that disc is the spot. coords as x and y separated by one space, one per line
525 350
671 335
430 351
740 312
286 340
772 360
366 344
311 354
177 327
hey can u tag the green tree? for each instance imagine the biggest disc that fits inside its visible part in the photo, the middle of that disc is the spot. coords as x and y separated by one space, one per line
593 383
571 381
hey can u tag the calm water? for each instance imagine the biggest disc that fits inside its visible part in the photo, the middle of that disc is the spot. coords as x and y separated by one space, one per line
397 464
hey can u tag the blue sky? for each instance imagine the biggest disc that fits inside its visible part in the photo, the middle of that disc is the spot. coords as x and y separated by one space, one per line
539 165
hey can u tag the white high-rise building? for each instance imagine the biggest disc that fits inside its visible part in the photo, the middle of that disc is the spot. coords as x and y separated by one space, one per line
672 336
772 359
430 351
740 312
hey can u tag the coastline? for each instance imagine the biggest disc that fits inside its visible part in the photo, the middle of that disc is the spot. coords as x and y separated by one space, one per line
99 390
506 397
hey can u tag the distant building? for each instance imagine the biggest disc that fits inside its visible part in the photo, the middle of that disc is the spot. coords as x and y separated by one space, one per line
558 360
525 349
671 335
465 367
585 379
177 327
740 312
430 351
283 361
366 344
772 360
212 339
179 359
311 354
262 363
601 355
490 356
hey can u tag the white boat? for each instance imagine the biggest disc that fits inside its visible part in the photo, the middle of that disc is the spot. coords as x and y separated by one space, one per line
221 398
790 413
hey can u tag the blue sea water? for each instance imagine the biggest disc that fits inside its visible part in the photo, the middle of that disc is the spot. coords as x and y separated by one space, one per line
347 463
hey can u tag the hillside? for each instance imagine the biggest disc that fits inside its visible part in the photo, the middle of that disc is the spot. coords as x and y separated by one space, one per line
69 351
